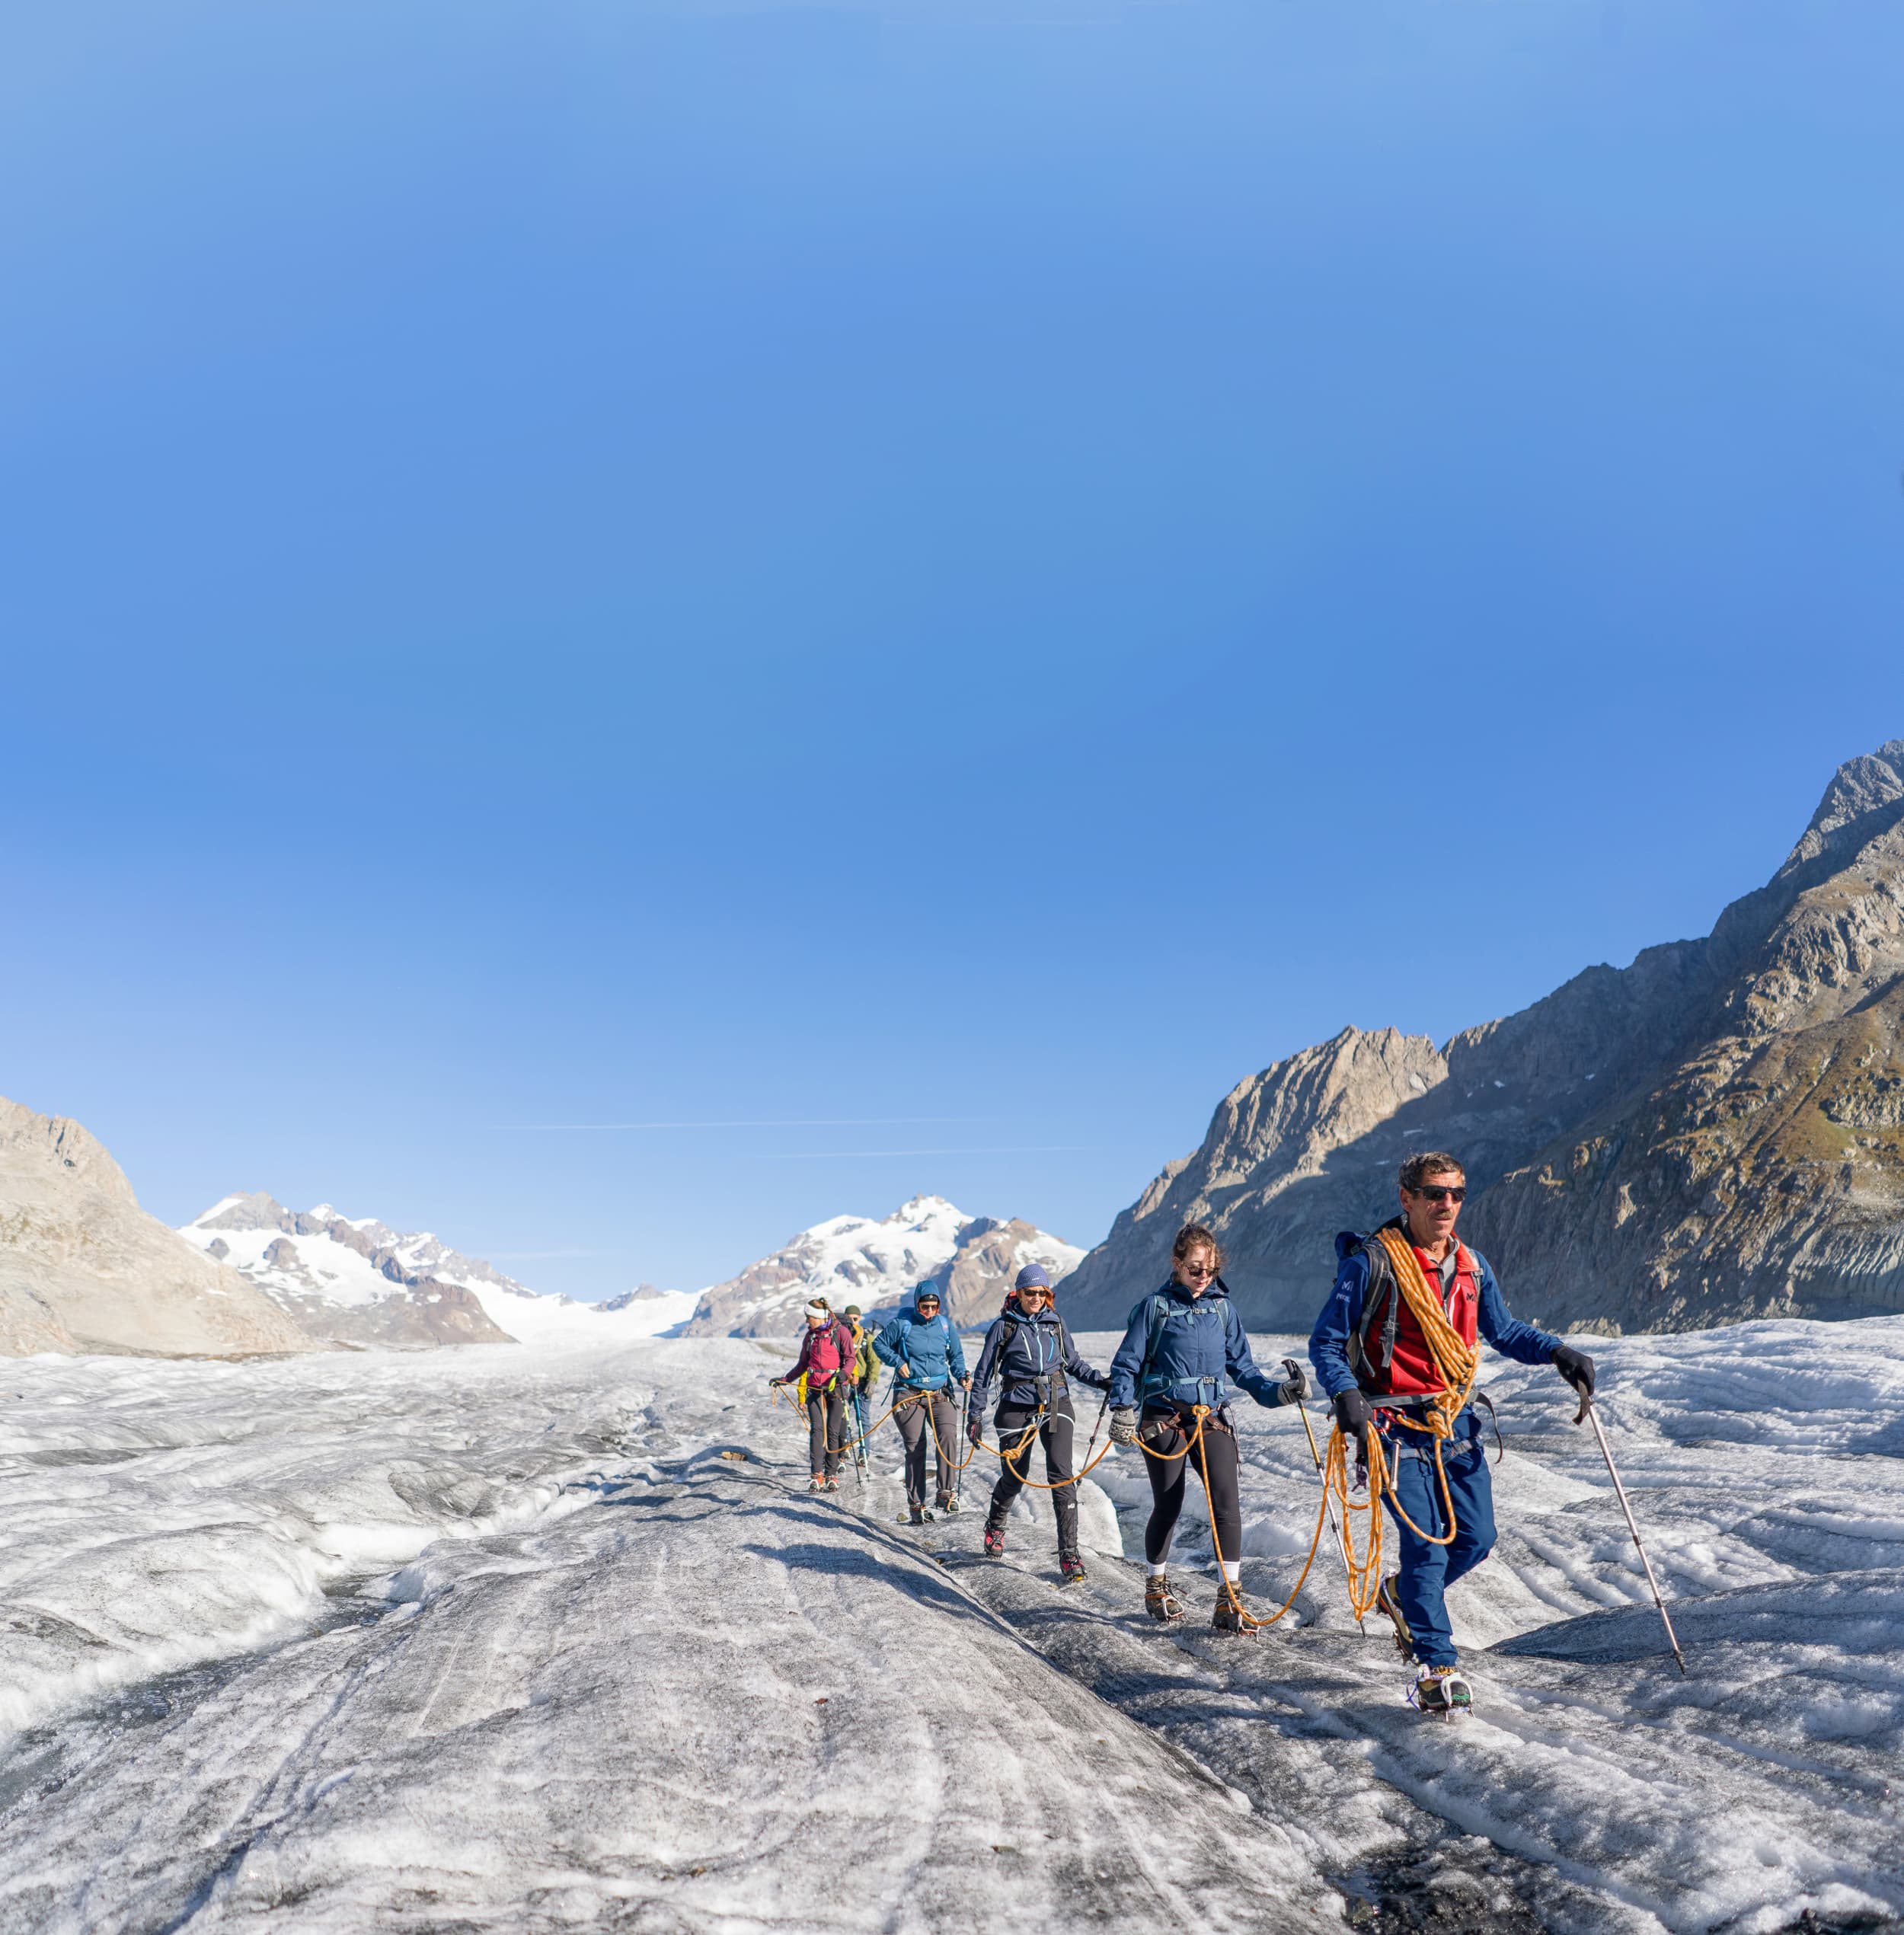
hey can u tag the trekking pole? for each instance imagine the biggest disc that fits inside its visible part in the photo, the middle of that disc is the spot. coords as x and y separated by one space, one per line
1328 1498
1593 1417
1104 1404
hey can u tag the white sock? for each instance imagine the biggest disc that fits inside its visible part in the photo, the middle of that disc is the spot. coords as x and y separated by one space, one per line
1232 1571
1158 1567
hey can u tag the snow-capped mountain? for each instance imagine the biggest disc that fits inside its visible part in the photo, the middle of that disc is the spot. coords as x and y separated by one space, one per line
855 1259
356 1280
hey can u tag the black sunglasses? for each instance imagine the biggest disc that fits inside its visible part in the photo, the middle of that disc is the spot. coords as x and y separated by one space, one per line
1437 1192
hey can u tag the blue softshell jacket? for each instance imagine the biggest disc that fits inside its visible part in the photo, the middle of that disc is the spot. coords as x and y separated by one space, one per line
929 1347
1201 1343
1341 1319
1021 1350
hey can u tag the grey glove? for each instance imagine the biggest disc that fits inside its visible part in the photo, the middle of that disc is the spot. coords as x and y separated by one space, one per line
1576 1366
1123 1425
1352 1411
1295 1386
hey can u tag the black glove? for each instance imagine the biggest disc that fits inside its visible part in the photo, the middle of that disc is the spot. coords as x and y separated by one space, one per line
1123 1425
1295 1386
1352 1411
975 1428
1576 1366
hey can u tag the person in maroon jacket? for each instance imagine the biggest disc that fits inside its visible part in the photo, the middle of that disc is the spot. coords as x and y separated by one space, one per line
827 1355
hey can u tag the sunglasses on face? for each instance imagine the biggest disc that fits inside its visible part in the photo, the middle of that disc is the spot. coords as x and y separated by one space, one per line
1199 1269
1438 1192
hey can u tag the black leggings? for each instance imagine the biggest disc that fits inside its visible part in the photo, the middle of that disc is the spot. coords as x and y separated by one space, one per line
1162 1432
825 1427
941 1432
1020 1425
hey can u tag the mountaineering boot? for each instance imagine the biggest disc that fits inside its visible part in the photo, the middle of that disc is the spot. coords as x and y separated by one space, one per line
1386 1601
1231 1615
947 1502
1072 1567
917 1515
832 1485
1160 1602
1441 1690
816 1483
994 1542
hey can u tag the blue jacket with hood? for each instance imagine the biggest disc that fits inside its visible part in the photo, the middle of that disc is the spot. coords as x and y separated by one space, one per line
927 1348
1199 1342
1022 1350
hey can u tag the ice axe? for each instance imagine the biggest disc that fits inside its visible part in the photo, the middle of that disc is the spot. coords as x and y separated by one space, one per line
1328 1497
1588 1413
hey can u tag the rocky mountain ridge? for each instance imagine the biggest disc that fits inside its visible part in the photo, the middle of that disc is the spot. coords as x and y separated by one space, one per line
83 1268
1713 1133
855 1259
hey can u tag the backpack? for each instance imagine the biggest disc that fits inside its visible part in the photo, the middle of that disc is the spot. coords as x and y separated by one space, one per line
830 1352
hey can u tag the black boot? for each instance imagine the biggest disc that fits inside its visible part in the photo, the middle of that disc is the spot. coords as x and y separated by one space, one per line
1072 1567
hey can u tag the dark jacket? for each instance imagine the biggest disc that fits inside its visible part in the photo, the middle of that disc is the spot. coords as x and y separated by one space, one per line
1199 1342
1341 1319
1031 1357
926 1350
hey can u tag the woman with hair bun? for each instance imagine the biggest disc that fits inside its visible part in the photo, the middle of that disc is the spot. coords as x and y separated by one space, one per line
827 1357
1180 1345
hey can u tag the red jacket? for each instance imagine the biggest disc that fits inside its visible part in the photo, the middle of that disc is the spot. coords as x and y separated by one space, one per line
824 1353
1399 1361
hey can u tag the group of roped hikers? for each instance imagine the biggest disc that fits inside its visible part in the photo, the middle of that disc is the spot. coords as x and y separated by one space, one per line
1184 1349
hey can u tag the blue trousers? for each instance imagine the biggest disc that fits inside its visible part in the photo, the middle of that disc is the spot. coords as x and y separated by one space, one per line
1428 1570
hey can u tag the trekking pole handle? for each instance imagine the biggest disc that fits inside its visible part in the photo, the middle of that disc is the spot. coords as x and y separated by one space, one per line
1606 1451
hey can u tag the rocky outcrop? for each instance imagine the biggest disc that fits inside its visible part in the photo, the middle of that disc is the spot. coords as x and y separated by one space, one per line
349 1282
83 1268
1711 1133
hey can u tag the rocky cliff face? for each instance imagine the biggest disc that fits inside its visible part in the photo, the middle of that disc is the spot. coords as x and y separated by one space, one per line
83 1268
1714 1132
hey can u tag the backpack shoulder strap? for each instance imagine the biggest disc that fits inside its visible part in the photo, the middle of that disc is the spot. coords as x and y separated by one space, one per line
1159 1316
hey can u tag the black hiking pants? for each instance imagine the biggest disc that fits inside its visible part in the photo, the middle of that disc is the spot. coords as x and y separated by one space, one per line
939 1434
1021 1428
1168 1431
825 1427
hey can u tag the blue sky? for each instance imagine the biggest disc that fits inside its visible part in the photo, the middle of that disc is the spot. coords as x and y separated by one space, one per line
897 578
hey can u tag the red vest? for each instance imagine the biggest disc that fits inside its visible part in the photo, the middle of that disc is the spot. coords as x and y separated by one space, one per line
1409 1368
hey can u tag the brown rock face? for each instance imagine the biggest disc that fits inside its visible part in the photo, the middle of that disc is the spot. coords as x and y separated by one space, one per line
1713 1133
83 1268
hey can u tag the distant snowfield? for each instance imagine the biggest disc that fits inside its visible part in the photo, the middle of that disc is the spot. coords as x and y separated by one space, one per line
497 1639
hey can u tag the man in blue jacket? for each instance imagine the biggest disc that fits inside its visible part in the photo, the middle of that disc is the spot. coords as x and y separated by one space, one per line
1181 1343
922 1346
1029 1351
1373 1357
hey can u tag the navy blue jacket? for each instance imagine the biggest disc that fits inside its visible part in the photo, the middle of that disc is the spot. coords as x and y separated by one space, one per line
1021 1349
1341 1319
929 1349
1201 1342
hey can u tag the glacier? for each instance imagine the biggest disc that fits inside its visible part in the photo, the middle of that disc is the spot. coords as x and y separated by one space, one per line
551 1635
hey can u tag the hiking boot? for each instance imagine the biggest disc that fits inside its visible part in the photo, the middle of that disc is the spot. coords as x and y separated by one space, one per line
947 1502
1072 1567
816 1483
1387 1601
917 1515
1160 1602
1441 1690
832 1485
994 1542
1231 1615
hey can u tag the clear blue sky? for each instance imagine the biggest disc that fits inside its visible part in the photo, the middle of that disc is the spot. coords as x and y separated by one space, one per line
912 567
